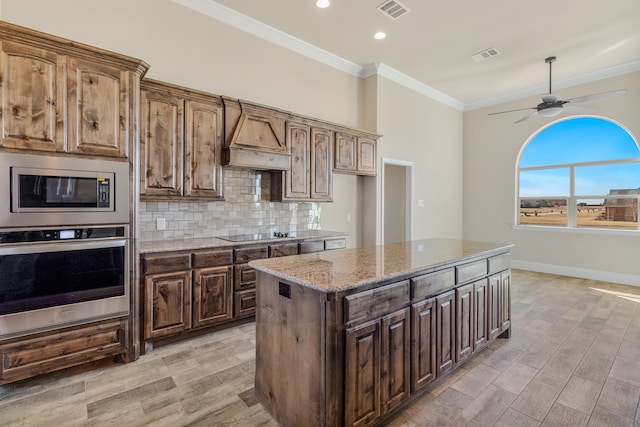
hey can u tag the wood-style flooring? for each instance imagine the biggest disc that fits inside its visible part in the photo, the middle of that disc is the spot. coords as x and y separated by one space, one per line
573 360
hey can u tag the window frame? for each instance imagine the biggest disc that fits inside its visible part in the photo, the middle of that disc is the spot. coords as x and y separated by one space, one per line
572 198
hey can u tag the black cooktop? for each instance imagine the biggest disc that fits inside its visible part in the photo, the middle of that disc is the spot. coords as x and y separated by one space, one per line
257 236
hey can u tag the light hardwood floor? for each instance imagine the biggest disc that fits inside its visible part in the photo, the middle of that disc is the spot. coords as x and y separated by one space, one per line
573 360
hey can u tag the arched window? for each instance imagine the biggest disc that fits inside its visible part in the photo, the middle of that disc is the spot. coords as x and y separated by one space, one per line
582 172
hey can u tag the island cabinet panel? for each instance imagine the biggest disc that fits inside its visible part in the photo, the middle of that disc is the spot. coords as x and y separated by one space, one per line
291 324
465 322
362 387
32 98
381 344
423 343
481 313
445 332
167 303
212 295
394 362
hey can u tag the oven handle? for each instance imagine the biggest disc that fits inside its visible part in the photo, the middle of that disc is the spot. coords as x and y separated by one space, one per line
59 246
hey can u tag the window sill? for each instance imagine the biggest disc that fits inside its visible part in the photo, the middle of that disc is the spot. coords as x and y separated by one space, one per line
607 231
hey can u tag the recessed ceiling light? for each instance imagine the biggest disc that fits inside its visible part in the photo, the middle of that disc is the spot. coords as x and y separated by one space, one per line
379 35
322 4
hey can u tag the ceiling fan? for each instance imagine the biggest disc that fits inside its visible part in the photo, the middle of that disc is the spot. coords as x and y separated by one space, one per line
552 106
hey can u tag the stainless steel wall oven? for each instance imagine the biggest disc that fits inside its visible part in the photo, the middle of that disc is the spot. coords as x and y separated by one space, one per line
64 242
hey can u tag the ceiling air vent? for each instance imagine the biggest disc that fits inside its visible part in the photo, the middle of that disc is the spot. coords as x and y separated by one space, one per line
393 9
485 54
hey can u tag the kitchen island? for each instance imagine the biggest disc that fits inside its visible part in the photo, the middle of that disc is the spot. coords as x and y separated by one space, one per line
349 336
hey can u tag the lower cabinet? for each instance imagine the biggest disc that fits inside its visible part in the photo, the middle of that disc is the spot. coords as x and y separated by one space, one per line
377 367
445 332
212 295
465 322
167 308
423 343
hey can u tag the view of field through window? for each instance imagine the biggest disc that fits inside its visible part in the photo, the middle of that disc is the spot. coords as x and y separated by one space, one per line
580 172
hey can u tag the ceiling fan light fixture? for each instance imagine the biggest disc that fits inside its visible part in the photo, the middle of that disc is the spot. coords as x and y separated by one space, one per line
550 112
323 4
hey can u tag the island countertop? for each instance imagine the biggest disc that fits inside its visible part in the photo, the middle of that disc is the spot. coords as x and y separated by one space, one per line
340 270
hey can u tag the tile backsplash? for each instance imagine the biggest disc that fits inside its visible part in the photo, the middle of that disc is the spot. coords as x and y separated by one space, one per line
246 210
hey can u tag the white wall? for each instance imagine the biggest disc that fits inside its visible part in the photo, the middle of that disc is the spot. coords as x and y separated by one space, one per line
491 148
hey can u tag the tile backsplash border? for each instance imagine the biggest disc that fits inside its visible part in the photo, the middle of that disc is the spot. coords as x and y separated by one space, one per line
245 210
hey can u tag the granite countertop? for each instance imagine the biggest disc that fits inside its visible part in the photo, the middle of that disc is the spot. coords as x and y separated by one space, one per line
339 270
215 242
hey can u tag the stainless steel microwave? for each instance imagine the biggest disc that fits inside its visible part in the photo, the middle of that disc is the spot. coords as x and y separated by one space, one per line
51 191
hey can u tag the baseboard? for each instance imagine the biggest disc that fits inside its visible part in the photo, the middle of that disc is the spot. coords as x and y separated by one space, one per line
583 273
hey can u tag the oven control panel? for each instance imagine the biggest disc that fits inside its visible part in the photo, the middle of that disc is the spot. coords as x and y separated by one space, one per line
43 235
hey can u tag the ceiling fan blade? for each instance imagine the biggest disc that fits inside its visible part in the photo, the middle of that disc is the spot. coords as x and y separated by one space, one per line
511 111
598 96
526 117
572 109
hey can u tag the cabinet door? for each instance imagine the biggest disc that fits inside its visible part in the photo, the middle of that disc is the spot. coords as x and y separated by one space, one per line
464 322
297 180
494 322
244 303
423 343
362 374
366 156
212 295
505 300
167 304
98 99
345 153
321 164
244 277
480 309
161 135
394 361
203 149
445 331
32 98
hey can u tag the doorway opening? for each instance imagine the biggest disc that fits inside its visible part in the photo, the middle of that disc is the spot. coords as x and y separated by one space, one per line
396 200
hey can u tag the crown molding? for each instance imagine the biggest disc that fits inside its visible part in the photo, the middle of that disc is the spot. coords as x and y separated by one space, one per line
247 24
252 26
568 82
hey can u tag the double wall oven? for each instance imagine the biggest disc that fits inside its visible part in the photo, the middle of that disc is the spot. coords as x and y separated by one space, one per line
64 242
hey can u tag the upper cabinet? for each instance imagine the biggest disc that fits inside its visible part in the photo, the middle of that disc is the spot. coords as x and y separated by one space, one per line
311 175
355 154
63 96
180 142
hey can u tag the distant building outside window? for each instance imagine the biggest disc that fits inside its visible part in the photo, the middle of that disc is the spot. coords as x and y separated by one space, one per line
581 172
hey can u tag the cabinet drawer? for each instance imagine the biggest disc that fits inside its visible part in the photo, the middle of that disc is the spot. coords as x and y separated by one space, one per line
61 350
432 283
309 247
335 244
244 303
283 249
499 263
244 277
376 302
471 271
166 263
249 254
212 258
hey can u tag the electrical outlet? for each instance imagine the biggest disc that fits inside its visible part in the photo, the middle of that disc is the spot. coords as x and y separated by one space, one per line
161 224
420 203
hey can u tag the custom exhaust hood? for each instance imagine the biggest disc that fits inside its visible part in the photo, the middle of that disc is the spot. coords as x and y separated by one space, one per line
254 136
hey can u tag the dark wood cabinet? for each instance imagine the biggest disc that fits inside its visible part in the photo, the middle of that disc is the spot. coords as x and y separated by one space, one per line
505 301
63 96
494 323
167 303
212 295
180 143
394 361
311 174
362 377
445 332
481 313
423 343
465 322
355 154
32 122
